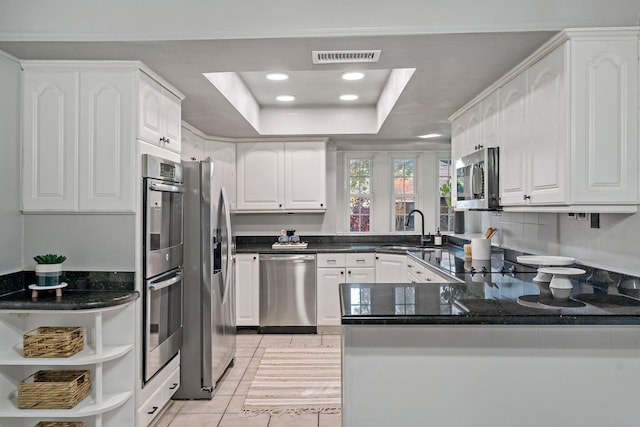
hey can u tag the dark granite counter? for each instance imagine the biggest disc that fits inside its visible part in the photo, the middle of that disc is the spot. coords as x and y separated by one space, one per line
481 303
70 300
86 290
324 244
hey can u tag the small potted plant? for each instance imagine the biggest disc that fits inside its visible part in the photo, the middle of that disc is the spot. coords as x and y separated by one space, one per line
49 269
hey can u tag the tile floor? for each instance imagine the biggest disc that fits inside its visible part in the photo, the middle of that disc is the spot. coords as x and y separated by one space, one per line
225 407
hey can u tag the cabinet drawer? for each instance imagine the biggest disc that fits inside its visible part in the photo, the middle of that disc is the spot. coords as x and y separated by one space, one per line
361 260
331 260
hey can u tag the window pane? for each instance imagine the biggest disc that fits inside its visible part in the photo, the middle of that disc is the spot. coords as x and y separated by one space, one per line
365 185
408 186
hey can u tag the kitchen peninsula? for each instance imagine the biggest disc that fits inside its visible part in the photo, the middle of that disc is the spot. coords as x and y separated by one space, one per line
468 353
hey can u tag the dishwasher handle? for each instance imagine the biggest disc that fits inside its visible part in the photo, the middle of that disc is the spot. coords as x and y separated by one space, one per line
287 257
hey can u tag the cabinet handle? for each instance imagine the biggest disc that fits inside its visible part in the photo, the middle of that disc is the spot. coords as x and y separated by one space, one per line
280 205
162 139
342 272
321 204
167 140
349 272
153 410
173 386
525 197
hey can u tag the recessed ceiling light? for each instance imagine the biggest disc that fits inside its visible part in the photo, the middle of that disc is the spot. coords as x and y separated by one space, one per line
348 97
429 135
353 76
285 98
277 76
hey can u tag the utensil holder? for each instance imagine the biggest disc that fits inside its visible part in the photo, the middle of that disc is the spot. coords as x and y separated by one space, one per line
481 249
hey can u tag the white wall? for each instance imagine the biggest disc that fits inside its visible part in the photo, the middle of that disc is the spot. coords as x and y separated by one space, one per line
90 242
614 246
10 217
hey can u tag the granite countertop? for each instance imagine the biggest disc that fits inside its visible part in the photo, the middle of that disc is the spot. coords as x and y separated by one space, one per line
86 290
70 300
482 303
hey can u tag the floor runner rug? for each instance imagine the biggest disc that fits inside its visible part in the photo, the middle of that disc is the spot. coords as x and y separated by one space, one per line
296 380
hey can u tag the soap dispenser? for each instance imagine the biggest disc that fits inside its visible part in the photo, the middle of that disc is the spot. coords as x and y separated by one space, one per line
438 238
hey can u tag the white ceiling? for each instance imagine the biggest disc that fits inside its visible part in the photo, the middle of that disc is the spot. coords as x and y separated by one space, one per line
462 47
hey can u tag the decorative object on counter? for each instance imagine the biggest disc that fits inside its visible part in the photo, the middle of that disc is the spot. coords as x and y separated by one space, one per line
288 240
543 261
467 250
600 278
437 240
53 389
53 341
629 285
560 285
48 269
481 249
60 424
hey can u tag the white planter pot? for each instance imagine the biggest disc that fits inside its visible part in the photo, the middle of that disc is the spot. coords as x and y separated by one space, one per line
48 274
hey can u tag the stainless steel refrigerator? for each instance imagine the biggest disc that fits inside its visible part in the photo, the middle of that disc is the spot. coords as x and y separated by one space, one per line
209 340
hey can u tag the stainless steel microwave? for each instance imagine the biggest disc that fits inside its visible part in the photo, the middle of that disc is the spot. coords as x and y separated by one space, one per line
477 180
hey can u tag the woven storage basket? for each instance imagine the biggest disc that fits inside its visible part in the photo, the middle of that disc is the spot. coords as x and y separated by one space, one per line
53 389
60 424
53 341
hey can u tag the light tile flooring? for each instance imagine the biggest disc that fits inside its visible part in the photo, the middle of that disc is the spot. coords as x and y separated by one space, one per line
225 407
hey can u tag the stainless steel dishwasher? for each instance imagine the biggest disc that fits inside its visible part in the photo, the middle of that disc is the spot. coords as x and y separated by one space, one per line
287 294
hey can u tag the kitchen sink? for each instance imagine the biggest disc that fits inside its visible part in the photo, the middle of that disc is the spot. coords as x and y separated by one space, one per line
405 248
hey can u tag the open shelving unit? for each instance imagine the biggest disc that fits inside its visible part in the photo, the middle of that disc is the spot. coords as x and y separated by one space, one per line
108 354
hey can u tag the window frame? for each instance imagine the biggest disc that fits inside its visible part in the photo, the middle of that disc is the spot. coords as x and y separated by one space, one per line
416 193
451 210
347 195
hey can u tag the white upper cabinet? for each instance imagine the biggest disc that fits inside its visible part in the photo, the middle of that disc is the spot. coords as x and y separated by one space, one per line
49 140
567 124
160 115
277 176
79 136
106 151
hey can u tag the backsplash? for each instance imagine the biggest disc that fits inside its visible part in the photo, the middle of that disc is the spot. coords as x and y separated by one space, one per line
614 246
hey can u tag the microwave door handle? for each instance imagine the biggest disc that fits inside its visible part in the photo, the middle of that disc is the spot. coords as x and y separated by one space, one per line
166 188
165 283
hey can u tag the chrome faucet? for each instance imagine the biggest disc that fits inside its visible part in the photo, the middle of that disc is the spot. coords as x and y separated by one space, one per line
423 239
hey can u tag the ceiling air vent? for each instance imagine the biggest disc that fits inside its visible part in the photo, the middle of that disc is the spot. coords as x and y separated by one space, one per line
344 56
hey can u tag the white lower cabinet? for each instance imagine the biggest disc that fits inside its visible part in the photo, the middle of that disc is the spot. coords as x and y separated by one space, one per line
108 355
333 269
247 289
391 268
169 379
417 272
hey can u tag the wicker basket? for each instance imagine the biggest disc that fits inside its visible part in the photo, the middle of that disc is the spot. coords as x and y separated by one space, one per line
53 389
53 341
60 424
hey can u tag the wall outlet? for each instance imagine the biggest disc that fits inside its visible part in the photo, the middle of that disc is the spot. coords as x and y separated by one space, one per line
571 215
595 220
582 216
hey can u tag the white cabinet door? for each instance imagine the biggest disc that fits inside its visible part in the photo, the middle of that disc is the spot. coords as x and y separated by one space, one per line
260 179
473 130
489 120
107 145
328 298
391 268
361 275
172 115
50 141
150 106
547 120
513 141
160 115
605 102
247 289
305 175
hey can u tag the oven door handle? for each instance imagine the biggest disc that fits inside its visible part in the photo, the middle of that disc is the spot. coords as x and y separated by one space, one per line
156 286
166 188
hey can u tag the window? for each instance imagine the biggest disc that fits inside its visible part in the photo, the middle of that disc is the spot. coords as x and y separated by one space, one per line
360 195
404 197
444 182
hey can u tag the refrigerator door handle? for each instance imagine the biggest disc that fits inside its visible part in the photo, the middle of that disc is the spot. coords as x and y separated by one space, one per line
229 266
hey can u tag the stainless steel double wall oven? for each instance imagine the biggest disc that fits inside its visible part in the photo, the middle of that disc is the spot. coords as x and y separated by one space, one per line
163 195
